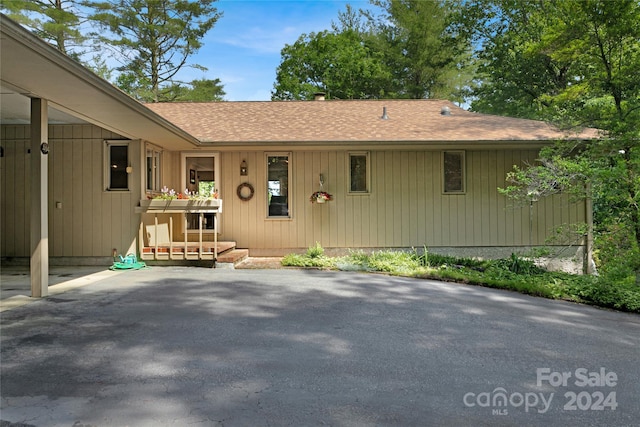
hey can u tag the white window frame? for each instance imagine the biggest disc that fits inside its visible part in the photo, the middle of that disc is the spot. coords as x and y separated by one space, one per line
367 191
463 171
107 163
289 184
216 178
156 156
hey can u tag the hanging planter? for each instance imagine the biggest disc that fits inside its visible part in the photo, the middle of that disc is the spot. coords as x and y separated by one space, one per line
320 197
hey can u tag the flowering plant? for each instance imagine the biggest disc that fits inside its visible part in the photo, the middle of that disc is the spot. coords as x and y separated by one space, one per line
170 194
320 195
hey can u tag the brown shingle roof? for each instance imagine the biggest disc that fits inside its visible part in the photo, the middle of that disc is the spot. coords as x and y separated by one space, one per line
354 120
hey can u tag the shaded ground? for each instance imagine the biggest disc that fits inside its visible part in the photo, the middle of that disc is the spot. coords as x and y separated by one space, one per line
195 346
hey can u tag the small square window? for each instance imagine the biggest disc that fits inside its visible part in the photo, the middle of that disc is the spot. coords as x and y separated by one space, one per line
453 172
358 172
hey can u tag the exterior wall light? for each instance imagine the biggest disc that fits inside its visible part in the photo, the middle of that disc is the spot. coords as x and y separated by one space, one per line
243 168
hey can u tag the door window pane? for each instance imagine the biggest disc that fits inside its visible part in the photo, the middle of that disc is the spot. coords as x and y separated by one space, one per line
200 179
278 185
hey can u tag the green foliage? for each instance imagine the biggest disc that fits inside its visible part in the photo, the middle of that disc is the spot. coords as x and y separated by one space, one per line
514 273
55 21
154 40
200 90
425 56
437 260
406 52
393 262
316 251
518 265
572 62
339 64
297 260
314 257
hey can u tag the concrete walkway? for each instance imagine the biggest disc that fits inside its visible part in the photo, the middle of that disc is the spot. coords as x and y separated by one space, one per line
178 346
15 287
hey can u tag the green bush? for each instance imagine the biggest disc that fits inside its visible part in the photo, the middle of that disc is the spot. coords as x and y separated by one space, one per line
518 265
314 257
437 260
393 261
316 251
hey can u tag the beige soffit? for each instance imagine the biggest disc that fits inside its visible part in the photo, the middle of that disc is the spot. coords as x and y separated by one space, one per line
334 122
32 68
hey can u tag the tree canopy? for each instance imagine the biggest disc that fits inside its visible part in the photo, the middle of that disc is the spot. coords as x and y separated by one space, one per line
338 64
154 40
55 21
574 63
405 52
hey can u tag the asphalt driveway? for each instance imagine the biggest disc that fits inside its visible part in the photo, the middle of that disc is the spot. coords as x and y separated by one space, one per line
200 347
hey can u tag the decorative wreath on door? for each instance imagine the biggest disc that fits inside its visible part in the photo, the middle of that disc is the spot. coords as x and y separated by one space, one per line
243 194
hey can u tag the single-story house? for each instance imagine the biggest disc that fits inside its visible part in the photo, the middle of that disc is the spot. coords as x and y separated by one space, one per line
80 159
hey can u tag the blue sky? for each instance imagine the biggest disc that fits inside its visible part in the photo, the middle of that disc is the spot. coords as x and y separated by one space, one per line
243 48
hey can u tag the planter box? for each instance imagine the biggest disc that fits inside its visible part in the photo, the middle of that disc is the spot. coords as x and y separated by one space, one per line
180 206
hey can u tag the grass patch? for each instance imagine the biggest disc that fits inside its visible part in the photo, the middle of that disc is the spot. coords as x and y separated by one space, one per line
514 273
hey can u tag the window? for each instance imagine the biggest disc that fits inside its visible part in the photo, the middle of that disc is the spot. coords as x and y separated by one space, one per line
453 171
154 157
117 165
278 185
358 172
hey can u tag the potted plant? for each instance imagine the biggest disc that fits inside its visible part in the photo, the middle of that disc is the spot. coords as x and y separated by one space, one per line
320 197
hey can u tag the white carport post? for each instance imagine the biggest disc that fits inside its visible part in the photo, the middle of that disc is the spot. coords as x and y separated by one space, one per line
39 200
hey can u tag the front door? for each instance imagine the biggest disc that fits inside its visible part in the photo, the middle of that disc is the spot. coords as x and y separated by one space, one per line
201 175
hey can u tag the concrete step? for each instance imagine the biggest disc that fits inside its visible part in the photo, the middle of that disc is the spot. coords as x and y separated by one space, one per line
232 256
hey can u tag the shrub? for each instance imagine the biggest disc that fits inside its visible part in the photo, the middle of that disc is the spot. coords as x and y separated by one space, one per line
314 257
518 265
316 251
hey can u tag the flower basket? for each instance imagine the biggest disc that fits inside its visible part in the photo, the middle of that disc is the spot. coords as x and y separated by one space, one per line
171 202
320 197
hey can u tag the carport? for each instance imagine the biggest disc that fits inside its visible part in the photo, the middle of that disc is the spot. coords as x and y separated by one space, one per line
41 86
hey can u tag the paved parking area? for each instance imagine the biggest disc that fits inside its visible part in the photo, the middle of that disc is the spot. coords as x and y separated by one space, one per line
194 346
